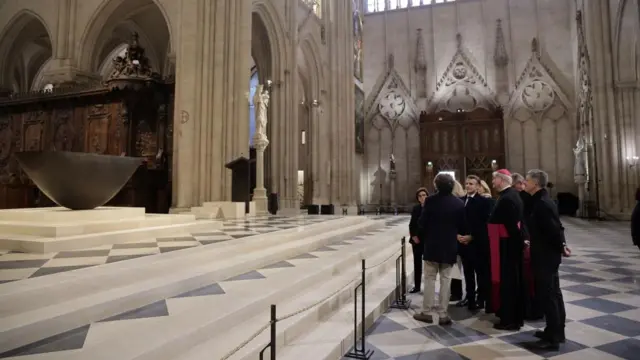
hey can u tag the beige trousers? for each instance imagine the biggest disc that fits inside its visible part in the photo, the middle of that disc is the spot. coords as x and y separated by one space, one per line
431 271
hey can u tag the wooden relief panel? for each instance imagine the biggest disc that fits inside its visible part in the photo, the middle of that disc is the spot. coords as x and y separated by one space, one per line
97 136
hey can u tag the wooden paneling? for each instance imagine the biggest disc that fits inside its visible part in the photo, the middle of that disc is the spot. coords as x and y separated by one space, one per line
465 143
96 121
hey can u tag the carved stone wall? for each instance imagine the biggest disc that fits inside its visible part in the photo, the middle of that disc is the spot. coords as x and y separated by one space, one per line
391 128
477 54
539 129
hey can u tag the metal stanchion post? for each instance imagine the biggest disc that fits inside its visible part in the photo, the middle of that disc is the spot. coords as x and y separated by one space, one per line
360 352
272 341
402 302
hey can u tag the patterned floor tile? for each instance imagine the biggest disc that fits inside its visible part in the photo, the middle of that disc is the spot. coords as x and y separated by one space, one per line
601 289
70 340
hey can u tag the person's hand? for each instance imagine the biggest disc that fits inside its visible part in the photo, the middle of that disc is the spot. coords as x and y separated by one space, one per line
527 243
415 240
460 239
467 239
566 252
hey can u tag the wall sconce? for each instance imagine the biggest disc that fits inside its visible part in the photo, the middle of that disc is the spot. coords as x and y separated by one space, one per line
494 165
429 167
632 160
269 85
315 103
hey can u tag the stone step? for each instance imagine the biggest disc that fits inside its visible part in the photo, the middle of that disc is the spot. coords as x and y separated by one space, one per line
193 322
331 295
333 336
35 309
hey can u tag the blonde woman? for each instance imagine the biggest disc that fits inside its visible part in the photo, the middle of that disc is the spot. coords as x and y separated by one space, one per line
484 189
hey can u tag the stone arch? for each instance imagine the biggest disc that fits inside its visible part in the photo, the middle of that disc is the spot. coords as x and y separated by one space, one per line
111 25
627 37
312 57
265 17
28 39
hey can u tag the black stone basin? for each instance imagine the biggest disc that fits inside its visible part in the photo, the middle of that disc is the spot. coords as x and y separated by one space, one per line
75 180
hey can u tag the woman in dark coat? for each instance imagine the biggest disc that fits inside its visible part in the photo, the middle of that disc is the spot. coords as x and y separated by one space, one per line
416 244
635 221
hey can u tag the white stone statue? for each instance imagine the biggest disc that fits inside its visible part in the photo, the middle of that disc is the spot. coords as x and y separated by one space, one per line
580 165
260 103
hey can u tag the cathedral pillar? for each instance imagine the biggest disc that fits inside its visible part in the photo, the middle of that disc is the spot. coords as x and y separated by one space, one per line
342 149
61 67
212 53
606 141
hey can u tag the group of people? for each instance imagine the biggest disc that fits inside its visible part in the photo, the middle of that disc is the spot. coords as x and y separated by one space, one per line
510 250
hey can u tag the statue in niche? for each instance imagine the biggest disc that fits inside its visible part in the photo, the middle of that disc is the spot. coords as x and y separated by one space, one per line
392 163
580 165
261 102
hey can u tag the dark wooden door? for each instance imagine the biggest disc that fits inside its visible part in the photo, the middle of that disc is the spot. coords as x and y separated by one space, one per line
464 143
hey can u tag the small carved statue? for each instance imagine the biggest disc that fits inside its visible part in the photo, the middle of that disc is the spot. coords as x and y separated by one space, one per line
261 102
392 163
580 165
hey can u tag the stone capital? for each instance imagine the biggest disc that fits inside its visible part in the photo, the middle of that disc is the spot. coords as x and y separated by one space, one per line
260 142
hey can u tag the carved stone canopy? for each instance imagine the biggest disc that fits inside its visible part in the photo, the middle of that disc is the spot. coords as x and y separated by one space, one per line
133 70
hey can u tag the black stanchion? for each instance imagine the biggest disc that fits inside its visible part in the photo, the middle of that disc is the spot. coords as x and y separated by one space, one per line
272 341
402 302
359 352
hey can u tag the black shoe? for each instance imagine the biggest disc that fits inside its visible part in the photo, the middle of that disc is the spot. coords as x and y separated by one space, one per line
414 290
475 306
507 327
463 303
543 345
455 298
543 336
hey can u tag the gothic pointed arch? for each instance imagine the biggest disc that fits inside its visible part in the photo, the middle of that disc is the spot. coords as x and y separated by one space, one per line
269 51
461 86
312 57
112 24
537 93
391 99
626 40
26 46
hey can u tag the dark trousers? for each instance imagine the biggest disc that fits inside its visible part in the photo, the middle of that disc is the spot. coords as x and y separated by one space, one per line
476 273
549 296
418 250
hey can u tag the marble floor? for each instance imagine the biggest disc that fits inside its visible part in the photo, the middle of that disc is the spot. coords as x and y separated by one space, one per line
17 266
601 288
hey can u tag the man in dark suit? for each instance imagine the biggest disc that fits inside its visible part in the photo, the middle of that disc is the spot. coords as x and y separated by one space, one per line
474 245
546 235
441 221
416 244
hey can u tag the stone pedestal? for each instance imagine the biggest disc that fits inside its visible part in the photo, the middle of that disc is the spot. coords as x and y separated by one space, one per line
392 180
260 143
43 230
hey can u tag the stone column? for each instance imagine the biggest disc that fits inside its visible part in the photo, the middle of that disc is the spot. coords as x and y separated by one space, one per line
260 142
212 56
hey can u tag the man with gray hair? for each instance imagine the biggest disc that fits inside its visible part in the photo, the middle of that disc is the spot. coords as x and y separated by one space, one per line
547 244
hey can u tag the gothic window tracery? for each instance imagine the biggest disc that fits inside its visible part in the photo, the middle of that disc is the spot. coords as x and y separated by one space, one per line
376 6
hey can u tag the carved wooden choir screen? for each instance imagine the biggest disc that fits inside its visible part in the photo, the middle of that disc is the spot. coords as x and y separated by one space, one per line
466 143
90 120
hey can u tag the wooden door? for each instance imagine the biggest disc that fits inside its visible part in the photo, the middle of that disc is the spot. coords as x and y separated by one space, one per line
465 143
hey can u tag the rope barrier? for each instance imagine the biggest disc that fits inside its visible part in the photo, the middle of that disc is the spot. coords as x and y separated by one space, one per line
304 309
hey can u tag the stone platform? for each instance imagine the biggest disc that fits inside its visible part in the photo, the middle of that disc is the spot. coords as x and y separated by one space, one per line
38 308
43 230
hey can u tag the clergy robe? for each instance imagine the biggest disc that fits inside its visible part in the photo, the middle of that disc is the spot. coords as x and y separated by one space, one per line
506 245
